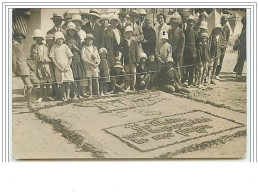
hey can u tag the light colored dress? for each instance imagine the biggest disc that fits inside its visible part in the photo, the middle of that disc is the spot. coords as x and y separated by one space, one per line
62 54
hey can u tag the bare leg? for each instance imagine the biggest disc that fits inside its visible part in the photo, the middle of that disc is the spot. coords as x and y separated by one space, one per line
63 91
97 86
90 87
68 90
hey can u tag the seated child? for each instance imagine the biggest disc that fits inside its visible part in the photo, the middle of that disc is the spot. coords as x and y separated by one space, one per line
91 60
143 77
118 78
104 72
61 56
39 52
152 66
169 80
203 58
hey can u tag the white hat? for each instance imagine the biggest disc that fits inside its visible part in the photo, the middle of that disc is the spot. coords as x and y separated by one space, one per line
176 16
217 26
94 12
38 33
76 17
143 55
103 50
191 17
71 25
115 17
142 12
104 17
59 35
129 29
204 25
164 35
169 59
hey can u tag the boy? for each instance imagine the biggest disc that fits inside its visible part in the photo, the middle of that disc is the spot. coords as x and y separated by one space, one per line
19 63
91 60
117 78
143 77
130 52
169 80
153 69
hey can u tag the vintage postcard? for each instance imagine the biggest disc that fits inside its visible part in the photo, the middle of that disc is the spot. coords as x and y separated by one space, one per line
129 83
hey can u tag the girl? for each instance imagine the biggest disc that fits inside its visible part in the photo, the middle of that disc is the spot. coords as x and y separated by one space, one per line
61 56
91 59
39 52
104 71
74 44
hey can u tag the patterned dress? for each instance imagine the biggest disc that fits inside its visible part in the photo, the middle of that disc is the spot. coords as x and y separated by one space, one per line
76 66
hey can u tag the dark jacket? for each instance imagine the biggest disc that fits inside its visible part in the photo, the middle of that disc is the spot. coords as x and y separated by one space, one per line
215 46
176 38
130 53
191 43
150 36
97 33
53 31
168 77
118 78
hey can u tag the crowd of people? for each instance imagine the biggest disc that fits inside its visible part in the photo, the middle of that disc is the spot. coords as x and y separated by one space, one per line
87 54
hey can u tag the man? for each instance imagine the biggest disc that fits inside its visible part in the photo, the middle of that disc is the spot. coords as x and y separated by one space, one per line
226 36
176 38
20 66
149 42
92 27
122 23
67 17
202 17
57 20
184 16
190 51
142 16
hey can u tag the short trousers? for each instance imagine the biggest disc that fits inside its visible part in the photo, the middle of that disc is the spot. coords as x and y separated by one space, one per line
30 80
92 74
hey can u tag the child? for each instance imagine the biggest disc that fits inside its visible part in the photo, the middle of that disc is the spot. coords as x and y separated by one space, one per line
130 51
118 78
153 69
169 80
91 60
74 43
39 52
50 41
203 58
104 71
163 50
61 56
19 64
143 77
216 41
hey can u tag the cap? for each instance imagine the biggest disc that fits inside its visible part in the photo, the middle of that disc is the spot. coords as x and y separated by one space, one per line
143 55
103 50
89 35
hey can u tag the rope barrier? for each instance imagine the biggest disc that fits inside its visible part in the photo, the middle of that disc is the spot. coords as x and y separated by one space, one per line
132 74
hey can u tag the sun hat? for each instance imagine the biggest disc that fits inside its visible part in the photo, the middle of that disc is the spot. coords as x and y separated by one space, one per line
169 59
129 29
56 16
59 35
103 50
94 12
89 35
71 25
143 55
191 17
104 17
204 35
18 31
115 17
204 25
38 33
142 12
118 64
76 17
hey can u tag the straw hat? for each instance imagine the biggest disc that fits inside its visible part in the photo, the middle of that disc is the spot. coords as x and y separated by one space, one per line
56 16
38 33
115 17
142 12
204 25
129 29
133 12
71 25
59 35
143 55
76 17
89 36
103 50
191 17
118 64
18 31
169 59
94 12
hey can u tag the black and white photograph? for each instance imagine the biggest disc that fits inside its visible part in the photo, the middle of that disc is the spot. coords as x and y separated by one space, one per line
129 83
